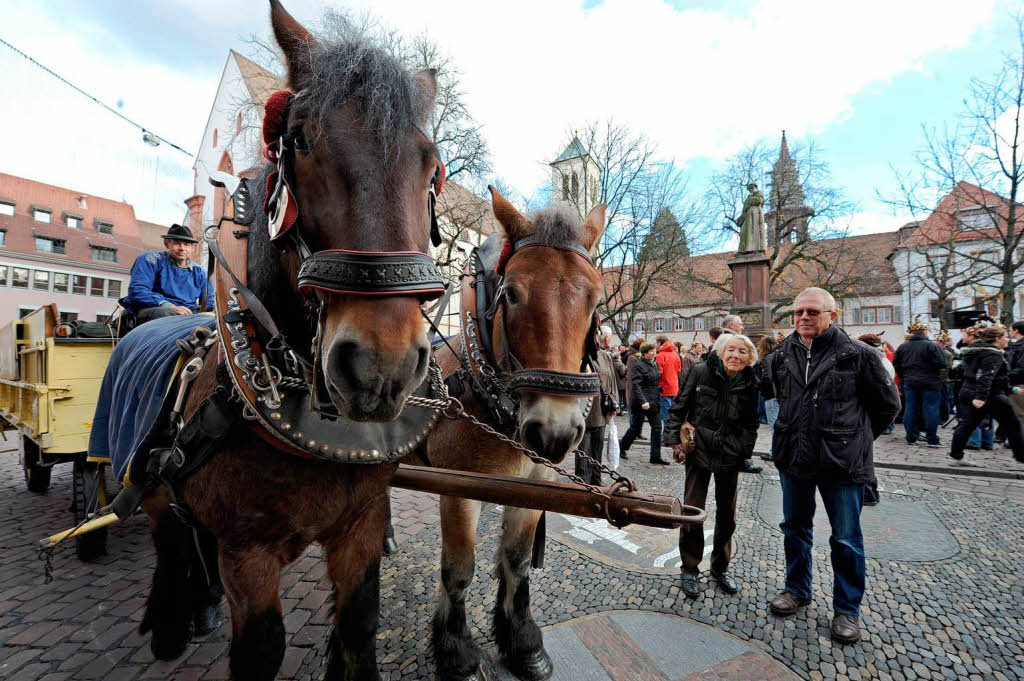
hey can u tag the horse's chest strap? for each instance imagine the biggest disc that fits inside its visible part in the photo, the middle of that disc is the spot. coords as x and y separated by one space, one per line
198 439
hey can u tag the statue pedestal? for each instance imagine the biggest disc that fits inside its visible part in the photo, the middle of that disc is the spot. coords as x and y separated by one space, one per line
750 295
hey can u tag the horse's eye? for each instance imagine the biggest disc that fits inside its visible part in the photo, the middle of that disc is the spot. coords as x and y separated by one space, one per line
299 142
511 296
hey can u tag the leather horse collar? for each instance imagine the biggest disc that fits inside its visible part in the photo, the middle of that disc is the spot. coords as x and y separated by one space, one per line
482 295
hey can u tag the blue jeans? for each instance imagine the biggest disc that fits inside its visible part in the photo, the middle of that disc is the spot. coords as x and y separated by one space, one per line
843 503
984 436
921 403
666 404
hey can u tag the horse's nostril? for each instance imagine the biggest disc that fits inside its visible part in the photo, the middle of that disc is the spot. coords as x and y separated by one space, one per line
421 360
345 358
531 434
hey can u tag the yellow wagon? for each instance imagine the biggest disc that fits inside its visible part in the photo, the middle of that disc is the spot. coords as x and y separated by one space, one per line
48 391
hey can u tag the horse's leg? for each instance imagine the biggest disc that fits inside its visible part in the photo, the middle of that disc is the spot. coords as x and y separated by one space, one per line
168 607
519 638
252 579
207 589
353 552
456 655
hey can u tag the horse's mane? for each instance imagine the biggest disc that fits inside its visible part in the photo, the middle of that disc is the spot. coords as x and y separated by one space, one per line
350 62
559 223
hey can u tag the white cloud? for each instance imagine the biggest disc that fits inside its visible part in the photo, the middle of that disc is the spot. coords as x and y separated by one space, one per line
700 82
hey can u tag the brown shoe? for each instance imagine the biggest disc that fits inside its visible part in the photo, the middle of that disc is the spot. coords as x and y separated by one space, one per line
786 603
845 629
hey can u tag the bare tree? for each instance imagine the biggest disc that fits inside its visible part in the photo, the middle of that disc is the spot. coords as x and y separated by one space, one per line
648 203
968 181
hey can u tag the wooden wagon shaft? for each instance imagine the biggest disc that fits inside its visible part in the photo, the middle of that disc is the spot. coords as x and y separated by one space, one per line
624 508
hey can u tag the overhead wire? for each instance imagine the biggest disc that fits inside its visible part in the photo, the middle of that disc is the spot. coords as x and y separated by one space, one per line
96 100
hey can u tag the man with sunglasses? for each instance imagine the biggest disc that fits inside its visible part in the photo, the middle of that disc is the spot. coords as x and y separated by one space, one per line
835 398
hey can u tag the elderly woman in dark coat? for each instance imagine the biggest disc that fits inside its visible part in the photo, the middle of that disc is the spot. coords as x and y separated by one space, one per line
717 408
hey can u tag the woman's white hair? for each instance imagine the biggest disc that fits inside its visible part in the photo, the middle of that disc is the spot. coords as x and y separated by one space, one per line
719 347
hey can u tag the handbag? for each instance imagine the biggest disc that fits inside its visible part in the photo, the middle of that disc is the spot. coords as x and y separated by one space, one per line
686 439
613 446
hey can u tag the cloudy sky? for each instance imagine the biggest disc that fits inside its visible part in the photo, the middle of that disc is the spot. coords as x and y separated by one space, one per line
701 78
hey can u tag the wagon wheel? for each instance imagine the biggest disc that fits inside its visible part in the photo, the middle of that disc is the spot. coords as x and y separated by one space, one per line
88 494
37 475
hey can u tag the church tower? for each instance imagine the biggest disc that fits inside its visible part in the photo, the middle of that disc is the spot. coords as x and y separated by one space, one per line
576 177
787 215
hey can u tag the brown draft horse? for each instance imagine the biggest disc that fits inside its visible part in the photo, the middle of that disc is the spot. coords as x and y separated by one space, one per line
362 169
550 297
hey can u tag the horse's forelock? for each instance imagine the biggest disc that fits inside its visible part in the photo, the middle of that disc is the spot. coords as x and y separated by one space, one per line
559 223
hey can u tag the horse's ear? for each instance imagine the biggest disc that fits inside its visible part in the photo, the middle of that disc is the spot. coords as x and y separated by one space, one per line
512 221
594 225
427 80
295 42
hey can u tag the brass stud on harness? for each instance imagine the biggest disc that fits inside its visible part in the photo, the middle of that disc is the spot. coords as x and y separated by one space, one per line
297 435
339 452
311 444
286 426
325 448
276 415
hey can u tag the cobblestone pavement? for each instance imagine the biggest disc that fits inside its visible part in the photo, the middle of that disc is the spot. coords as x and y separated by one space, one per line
959 616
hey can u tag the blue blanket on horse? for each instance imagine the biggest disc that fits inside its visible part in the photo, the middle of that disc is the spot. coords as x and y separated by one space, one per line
140 370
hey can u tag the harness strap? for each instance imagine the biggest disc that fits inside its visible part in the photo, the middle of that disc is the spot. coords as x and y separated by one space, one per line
252 301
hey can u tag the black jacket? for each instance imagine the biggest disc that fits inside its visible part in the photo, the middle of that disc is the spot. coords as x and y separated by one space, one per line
1015 360
646 384
985 371
919 363
835 398
724 416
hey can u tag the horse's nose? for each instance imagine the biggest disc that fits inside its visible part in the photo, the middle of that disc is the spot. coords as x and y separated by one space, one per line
551 439
374 384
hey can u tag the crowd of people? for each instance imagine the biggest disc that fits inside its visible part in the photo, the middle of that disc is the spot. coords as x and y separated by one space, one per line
826 398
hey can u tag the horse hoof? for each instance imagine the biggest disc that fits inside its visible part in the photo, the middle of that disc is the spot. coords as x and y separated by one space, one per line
207 619
168 645
390 546
535 666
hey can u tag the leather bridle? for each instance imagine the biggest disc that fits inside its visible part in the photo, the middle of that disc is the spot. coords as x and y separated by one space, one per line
485 295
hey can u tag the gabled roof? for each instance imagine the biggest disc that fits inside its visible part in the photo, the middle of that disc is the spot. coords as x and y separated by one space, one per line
458 204
574 150
943 224
260 82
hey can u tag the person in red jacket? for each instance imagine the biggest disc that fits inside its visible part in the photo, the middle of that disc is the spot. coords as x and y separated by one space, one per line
669 364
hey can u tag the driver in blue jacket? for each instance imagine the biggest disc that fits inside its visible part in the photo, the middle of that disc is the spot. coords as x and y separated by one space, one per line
167 282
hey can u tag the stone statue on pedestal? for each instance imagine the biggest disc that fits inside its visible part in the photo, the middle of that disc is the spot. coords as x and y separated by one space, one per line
752 238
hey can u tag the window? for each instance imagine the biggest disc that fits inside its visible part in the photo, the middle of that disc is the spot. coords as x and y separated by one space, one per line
698 323
78 284
41 280
565 187
104 227
40 215
867 315
19 278
72 222
575 187
639 326
677 324
897 314
875 314
884 315
6 208
103 254
60 282
688 324
54 246
974 218
96 286
3 238
113 288
3 275
933 308
102 318
989 304
25 311
68 317
659 324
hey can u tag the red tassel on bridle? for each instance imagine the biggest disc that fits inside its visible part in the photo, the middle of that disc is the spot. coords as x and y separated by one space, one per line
279 204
